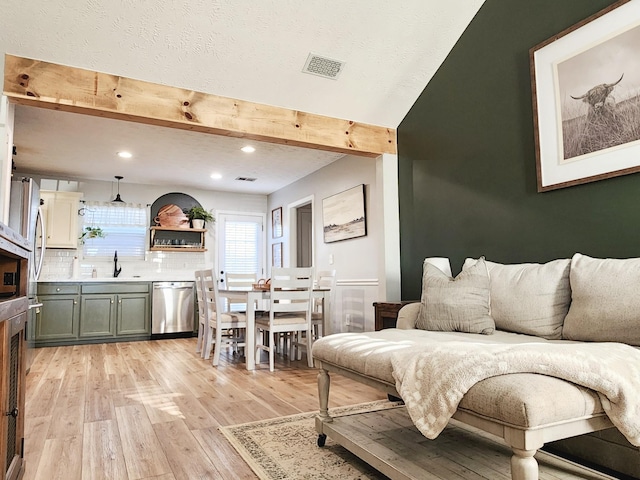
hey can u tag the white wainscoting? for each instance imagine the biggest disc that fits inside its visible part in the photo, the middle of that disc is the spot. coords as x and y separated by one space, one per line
352 305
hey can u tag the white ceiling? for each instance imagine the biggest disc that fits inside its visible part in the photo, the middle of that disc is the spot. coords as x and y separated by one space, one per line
74 146
250 50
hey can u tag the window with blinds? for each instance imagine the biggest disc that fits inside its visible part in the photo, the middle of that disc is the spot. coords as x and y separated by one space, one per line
125 228
241 246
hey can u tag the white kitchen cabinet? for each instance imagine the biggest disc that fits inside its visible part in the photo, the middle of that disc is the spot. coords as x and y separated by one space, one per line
60 211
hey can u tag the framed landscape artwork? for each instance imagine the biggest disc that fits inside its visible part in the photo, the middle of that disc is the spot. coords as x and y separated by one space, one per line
586 99
343 215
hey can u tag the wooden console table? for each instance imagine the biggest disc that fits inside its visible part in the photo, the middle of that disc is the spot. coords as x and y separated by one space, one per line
387 313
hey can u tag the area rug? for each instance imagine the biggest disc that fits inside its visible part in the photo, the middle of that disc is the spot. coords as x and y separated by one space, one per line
285 448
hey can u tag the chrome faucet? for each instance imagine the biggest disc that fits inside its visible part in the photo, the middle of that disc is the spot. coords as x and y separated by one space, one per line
116 270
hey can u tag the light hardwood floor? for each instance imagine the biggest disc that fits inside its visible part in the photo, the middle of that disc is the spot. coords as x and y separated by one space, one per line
151 410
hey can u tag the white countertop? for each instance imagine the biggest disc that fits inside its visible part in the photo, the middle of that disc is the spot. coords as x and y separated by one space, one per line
142 278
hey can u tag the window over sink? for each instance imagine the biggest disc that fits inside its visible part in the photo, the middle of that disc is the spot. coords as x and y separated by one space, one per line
124 226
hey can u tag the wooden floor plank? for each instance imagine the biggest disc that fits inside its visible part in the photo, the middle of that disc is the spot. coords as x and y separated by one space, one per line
102 455
61 459
98 401
123 389
185 455
142 451
159 402
223 455
37 428
58 362
114 363
68 413
41 398
489 459
394 444
194 414
140 370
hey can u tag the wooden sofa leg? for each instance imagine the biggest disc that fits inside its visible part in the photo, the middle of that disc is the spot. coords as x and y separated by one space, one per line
523 465
323 395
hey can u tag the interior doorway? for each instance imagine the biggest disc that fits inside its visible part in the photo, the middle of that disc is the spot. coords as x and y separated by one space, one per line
304 239
301 232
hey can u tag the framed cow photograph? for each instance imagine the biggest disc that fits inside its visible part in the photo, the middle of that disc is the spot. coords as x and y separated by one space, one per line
586 99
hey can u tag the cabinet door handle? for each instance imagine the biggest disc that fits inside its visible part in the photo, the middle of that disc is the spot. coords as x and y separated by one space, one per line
57 289
13 413
119 301
75 302
111 302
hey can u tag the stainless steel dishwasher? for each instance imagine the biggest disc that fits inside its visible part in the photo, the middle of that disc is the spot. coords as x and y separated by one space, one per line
172 311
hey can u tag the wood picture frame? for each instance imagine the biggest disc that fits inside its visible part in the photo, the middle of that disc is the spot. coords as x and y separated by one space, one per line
276 255
276 222
344 215
586 99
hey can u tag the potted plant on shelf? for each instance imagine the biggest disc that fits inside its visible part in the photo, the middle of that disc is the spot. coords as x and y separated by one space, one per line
91 232
199 216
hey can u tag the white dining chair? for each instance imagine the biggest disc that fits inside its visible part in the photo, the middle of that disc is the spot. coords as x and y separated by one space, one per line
225 327
290 299
320 316
238 281
203 328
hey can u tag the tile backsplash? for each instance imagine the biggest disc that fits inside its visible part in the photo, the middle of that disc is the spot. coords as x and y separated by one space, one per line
58 265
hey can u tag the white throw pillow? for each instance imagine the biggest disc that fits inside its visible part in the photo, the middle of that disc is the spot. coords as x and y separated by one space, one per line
529 298
455 305
605 300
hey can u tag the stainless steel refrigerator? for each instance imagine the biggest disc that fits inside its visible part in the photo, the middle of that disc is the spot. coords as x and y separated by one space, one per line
25 217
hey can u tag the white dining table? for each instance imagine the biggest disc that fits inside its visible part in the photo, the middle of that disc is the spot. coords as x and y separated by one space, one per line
258 297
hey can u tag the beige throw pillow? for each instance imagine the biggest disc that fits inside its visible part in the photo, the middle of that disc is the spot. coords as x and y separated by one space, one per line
455 305
529 298
605 300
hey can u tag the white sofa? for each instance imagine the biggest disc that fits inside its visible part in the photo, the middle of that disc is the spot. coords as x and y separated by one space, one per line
563 306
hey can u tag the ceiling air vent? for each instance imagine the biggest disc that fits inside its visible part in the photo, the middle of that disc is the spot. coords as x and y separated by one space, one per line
323 66
246 179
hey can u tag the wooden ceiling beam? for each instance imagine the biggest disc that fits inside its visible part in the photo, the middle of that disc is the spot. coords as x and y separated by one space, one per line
70 89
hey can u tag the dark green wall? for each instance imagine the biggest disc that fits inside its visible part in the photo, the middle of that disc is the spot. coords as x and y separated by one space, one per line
467 157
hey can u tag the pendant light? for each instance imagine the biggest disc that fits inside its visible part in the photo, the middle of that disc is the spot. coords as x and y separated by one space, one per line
118 199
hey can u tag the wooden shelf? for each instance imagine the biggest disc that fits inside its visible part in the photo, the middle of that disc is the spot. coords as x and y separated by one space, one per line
193 236
177 248
169 229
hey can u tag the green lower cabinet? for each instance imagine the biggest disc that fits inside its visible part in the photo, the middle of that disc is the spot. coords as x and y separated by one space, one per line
133 314
97 316
92 312
58 318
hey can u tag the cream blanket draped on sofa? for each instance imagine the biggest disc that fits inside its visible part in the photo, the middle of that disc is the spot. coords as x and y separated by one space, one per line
433 379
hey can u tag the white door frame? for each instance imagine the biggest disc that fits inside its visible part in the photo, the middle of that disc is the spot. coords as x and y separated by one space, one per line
292 225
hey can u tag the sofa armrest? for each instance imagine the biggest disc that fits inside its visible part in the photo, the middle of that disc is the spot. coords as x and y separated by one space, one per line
408 315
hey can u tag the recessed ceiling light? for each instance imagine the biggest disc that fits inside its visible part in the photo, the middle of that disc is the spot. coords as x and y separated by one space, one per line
216 176
125 154
248 149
